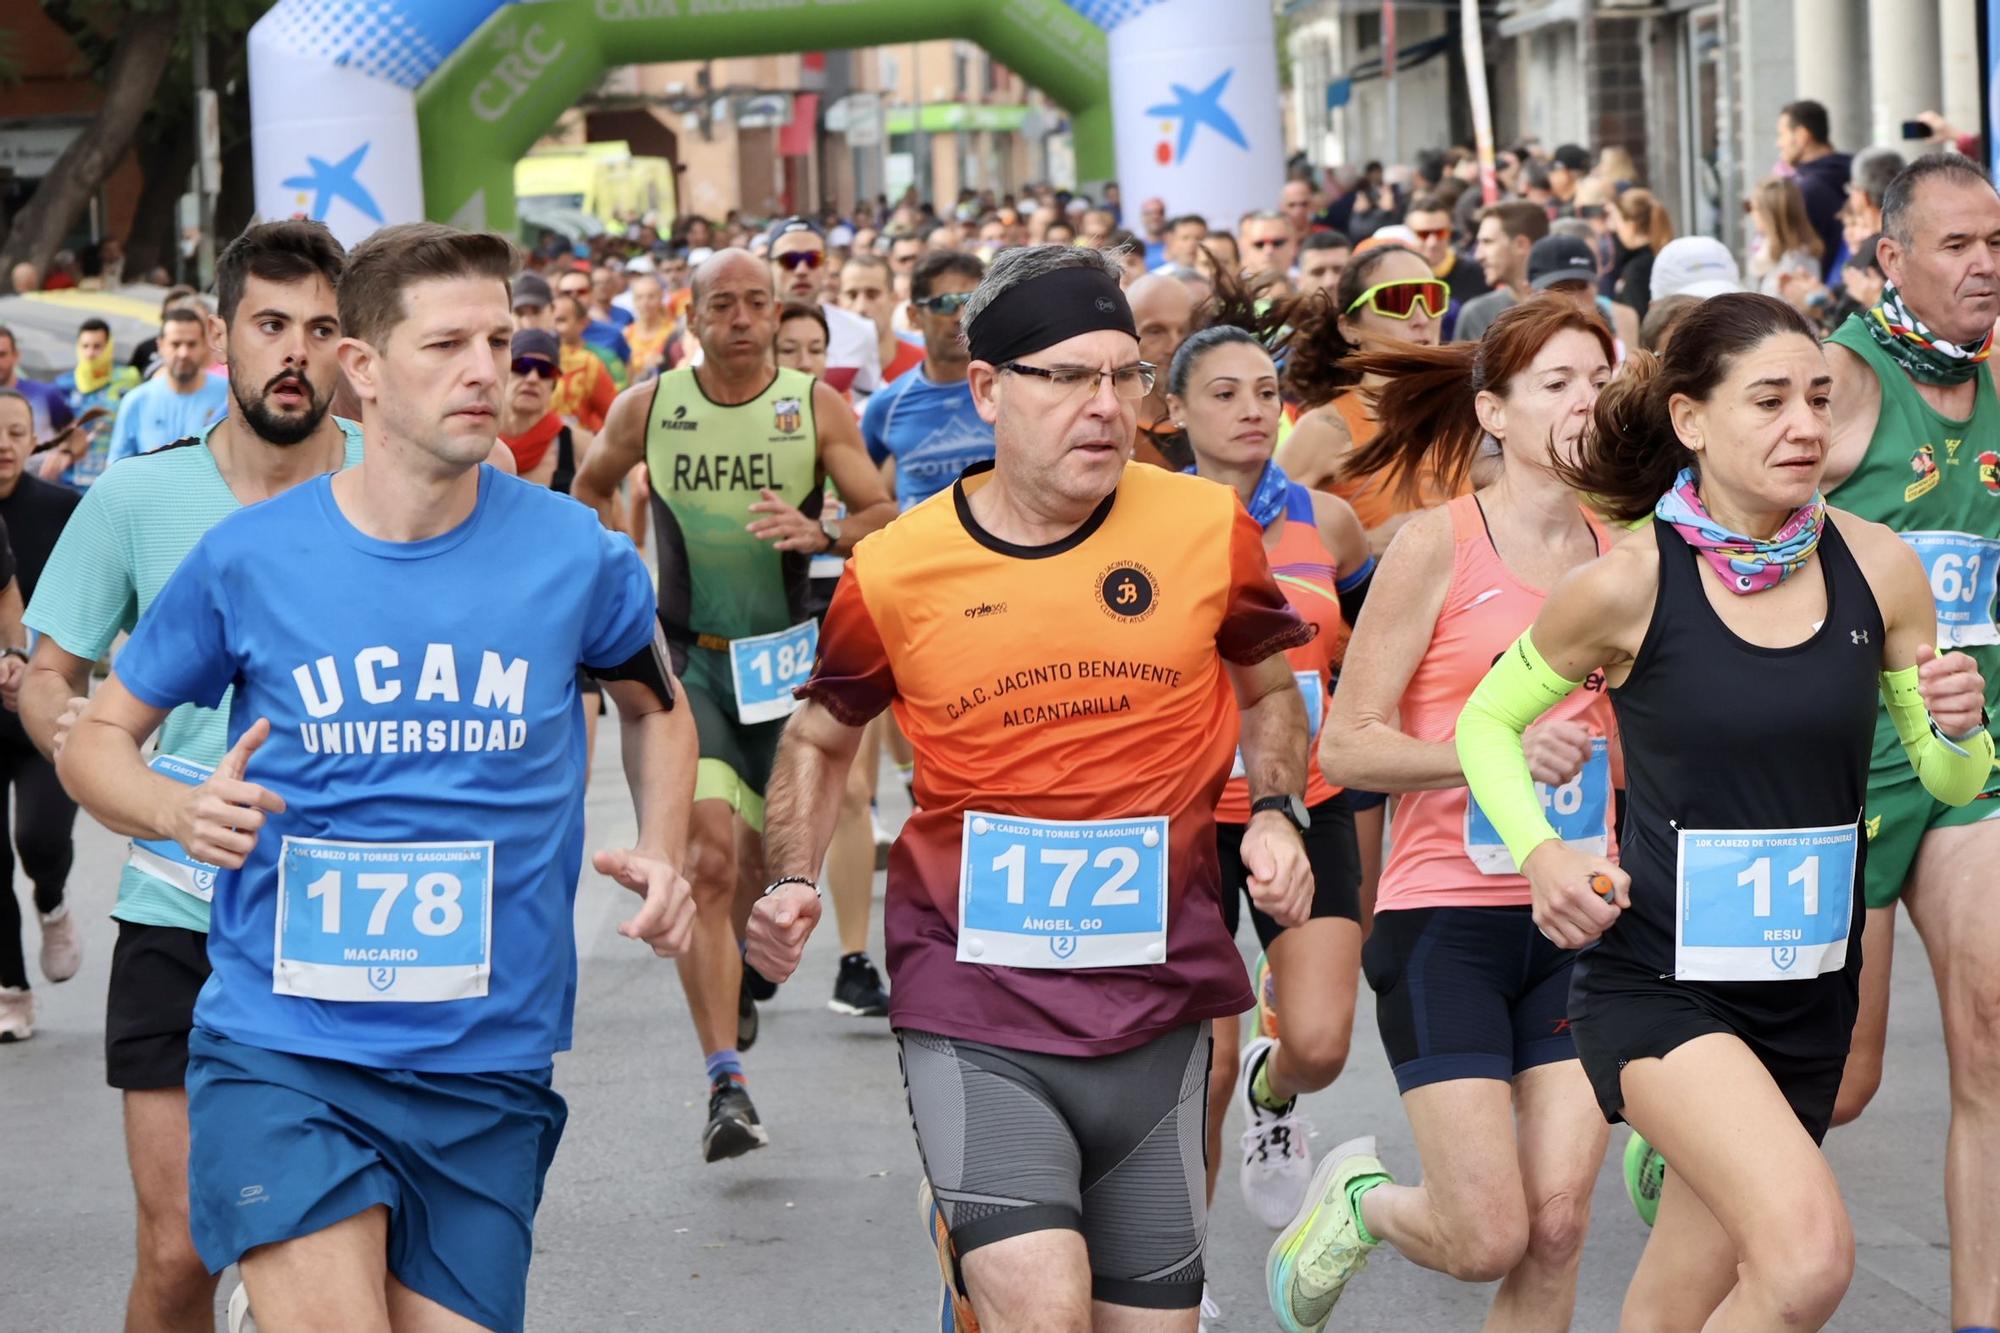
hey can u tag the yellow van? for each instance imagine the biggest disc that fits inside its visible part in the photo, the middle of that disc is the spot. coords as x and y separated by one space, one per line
603 180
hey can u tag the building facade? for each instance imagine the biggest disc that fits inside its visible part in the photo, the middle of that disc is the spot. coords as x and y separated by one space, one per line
1690 88
768 135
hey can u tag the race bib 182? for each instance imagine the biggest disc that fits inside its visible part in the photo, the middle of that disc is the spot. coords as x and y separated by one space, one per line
767 667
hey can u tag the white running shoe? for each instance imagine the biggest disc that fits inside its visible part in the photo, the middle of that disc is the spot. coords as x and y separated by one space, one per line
17 1014
1209 1309
239 1311
1277 1162
62 949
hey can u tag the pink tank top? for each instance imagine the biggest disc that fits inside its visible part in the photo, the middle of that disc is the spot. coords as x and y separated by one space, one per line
1443 852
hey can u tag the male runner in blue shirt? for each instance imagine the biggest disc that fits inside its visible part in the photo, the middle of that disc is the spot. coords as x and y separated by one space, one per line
369 1083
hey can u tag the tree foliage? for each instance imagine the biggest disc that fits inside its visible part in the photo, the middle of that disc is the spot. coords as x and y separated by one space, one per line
141 53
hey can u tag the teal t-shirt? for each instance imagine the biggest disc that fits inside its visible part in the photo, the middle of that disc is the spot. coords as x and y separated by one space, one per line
133 529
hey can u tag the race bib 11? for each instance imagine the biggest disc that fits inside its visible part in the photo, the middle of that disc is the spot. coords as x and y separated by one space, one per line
1763 904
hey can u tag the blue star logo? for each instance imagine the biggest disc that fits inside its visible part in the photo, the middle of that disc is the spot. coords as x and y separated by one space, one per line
1195 109
337 181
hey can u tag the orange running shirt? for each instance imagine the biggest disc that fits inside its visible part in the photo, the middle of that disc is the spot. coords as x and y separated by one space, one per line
1305 572
1082 680
1485 609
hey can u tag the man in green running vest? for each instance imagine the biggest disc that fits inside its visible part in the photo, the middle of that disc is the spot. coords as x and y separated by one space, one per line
738 452
1916 445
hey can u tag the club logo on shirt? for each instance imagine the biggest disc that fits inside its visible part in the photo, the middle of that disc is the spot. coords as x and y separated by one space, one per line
786 414
1989 471
1127 591
1924 463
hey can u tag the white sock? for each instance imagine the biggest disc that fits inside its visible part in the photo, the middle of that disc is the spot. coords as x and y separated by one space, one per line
62 910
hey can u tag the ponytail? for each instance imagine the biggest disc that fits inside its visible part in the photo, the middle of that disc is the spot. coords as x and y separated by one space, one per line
1430 423
1629 455
1428 399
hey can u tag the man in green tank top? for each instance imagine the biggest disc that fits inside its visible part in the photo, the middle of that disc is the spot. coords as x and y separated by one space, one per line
737 453
1916 445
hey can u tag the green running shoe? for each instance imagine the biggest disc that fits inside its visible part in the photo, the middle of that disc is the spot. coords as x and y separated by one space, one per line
1645 1173
1315 1257
1267 999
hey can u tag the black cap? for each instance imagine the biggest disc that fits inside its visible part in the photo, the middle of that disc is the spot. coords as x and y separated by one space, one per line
1573 156
532 289
537 343
786 226
1557 259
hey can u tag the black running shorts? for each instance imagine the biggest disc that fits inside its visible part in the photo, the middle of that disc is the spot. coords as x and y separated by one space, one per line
1110 1146
1622 1014
1467 992
1332 851
156 972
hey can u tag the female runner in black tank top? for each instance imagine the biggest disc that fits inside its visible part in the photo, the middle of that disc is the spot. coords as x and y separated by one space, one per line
1714 1009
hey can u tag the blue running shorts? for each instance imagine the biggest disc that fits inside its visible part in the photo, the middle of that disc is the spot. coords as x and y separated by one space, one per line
284 1145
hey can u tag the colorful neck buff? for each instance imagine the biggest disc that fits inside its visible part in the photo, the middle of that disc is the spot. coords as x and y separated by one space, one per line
1745 564
1925 357
1267 502
93 373
532 444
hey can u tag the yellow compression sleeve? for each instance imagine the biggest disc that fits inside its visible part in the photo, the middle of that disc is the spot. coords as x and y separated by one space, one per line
1520 688
1952 771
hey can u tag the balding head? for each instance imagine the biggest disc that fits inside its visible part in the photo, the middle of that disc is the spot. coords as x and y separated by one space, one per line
727 262
735 310
1163 310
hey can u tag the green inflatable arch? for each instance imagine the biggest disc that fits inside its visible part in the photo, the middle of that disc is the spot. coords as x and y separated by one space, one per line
499 92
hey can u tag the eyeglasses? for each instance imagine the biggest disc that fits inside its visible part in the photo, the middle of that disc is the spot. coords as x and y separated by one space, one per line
945 303
1397 299
798 259
1590 212
1434 234
534 366
1130 383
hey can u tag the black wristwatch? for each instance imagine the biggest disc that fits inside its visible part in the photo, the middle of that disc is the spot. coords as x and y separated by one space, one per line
1291 807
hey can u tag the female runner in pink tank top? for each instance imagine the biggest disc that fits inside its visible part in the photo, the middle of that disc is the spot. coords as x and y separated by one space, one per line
1471 999
1222 393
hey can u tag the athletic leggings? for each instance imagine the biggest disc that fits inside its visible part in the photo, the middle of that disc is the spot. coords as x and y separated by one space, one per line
43 817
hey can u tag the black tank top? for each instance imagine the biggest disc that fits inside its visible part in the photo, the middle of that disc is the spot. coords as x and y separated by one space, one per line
1721 734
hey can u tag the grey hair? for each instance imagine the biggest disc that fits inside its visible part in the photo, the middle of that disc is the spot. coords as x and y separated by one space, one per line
1899 201
1575 228
1025 263
1872 171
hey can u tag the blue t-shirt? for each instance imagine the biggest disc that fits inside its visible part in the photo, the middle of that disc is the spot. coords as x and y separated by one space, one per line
411 908
932 431
154 414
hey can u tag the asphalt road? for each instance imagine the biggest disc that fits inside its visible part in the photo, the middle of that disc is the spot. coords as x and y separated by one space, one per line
820 1230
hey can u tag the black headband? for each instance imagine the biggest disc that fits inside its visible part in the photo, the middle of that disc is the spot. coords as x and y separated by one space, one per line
1044 311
